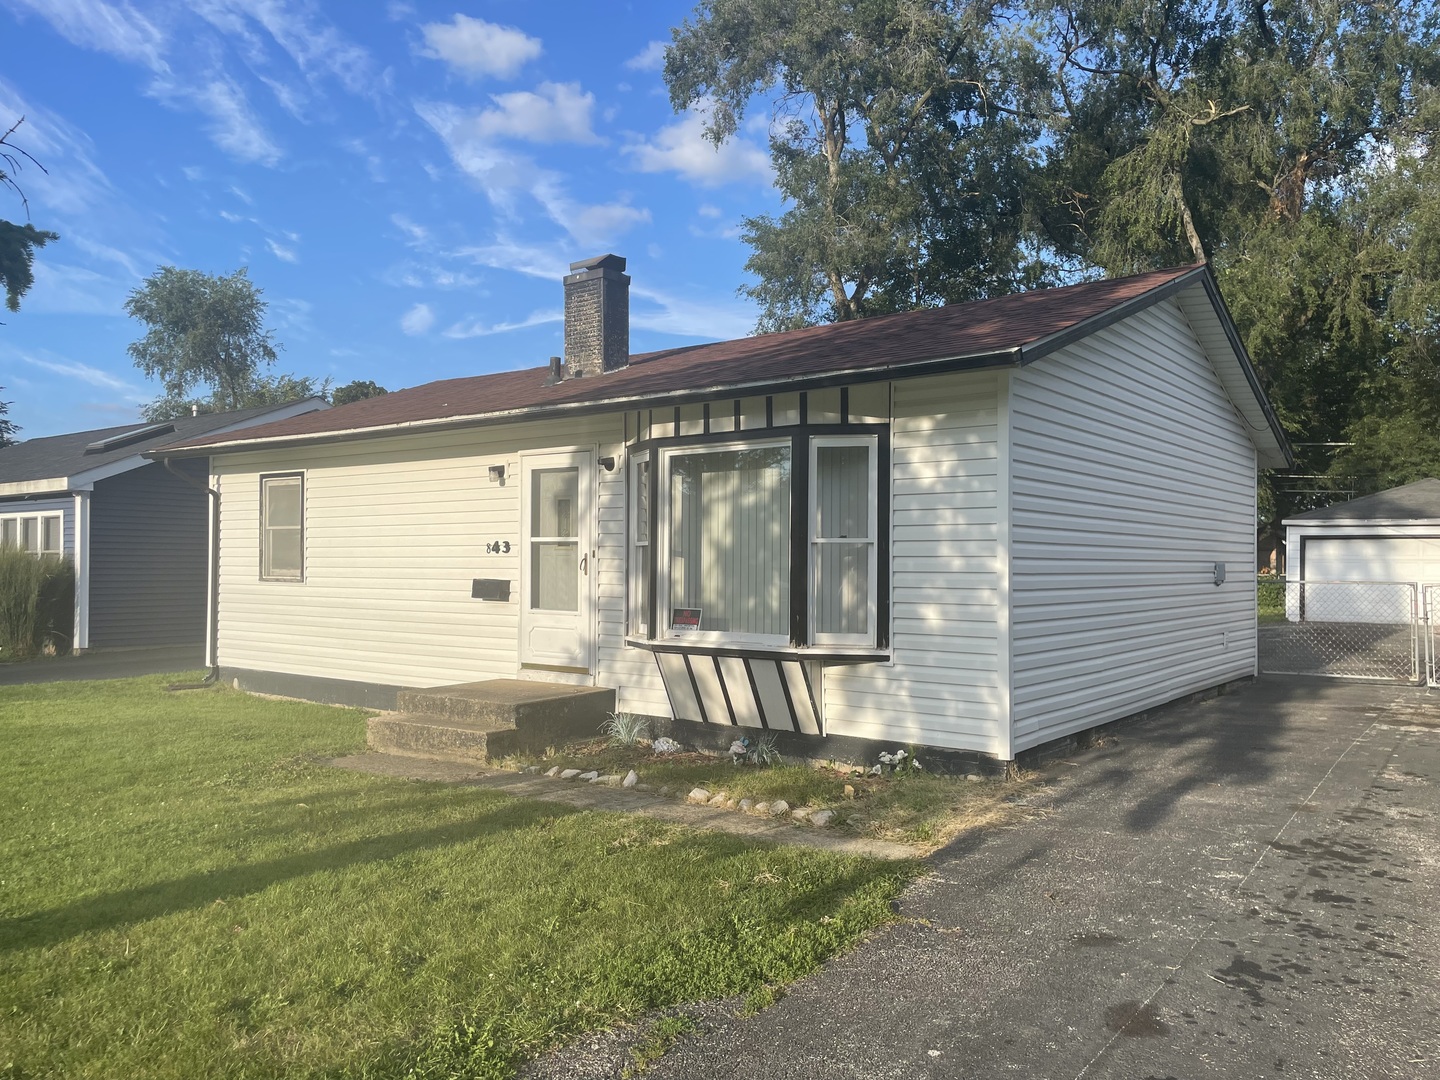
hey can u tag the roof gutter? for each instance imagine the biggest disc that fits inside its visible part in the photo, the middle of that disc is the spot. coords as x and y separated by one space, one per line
963 362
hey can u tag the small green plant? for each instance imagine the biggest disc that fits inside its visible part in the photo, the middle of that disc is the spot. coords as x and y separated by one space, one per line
765 752
658 1040
625 729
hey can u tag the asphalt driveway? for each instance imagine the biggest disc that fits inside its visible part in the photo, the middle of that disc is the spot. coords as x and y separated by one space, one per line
1244 887
105 664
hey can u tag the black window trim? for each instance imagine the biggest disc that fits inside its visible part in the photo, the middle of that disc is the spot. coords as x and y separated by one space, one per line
799 621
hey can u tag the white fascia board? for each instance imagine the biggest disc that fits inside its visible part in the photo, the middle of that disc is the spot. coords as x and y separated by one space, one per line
88 478
1360 525
1209 330
55 485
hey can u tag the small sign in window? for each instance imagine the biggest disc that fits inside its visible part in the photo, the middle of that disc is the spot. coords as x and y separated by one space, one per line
684 619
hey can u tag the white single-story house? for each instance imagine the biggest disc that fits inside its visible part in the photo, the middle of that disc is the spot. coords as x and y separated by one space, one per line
981 527
1389 537
136 531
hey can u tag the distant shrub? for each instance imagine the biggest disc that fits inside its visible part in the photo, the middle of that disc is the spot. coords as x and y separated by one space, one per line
1270 594
37 603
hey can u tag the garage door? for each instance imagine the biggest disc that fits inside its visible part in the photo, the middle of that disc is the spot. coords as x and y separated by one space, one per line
1365 559
1390 558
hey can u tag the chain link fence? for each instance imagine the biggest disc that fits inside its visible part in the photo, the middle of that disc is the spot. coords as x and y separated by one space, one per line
1345 629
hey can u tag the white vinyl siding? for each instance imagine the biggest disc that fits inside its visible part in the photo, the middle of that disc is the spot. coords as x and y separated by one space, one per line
395 530
1132 476
943 686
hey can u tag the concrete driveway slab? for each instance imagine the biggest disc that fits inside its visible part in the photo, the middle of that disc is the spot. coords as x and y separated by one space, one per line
1243 887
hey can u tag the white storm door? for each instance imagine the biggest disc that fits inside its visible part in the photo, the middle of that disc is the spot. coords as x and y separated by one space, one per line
557 624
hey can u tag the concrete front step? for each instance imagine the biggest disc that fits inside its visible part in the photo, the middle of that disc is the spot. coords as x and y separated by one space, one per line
474 722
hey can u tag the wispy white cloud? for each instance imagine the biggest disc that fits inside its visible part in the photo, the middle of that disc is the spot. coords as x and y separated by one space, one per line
650 58
193 173
476 48
418 320
63 288
281 252
686 317
232 124
92 376
476 328
415 235
682 148
116 29
415 275
314 44
548 261
506 176
71 183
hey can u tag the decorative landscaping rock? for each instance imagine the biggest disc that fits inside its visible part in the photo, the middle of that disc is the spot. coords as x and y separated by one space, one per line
569 774
762 808
746 805
610 780
779 808
532 768
664 791
644 787
731 804
974 777
876 771
849 791
554 770
822 817
718 799
698 795
800 813
632 779
593 774
664 745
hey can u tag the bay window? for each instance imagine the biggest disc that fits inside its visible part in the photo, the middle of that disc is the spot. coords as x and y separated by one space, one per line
35 533
771 542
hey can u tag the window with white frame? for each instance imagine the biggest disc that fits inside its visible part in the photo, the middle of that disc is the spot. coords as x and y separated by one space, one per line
761 543
282 532
37 533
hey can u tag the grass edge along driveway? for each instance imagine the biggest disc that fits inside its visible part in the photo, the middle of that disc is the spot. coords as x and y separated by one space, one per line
185 892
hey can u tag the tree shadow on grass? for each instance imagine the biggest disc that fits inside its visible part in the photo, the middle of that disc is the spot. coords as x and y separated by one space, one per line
193 891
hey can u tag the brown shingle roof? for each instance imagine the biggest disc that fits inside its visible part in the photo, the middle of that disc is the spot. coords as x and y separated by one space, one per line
984 329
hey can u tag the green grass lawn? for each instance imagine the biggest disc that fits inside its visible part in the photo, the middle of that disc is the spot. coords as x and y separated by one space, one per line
185 892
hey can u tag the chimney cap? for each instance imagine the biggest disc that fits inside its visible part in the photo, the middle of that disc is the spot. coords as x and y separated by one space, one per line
599 262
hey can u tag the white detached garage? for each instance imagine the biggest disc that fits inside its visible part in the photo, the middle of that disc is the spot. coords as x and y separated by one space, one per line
1390 539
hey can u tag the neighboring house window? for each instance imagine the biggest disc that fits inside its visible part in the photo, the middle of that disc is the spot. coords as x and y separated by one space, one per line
641 549
764 543
282 533
38 533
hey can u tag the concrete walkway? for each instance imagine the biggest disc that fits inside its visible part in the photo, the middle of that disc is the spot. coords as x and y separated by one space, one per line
105 664
1245 887
594 797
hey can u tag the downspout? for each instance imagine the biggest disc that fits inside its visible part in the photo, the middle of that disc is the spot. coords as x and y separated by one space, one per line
212 607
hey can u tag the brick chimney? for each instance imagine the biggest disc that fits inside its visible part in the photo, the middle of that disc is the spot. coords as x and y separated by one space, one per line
597 317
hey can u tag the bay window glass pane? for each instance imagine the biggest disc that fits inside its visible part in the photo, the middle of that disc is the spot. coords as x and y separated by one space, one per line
30 534
642 502
556 498
730 538
640 555
50 535
555 575
10 533
842 588
842 495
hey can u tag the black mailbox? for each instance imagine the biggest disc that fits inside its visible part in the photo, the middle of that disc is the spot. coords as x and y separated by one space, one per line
490 589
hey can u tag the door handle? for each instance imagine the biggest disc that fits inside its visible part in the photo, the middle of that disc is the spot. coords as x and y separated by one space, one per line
585 564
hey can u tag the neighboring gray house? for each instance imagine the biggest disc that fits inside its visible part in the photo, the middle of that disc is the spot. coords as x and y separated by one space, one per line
137 533
980 527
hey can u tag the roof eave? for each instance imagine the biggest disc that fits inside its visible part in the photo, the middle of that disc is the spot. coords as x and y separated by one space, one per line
960 362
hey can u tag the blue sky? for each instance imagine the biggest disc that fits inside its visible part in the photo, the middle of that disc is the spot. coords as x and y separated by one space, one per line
407 182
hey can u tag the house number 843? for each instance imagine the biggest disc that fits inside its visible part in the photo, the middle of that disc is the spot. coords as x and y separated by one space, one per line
497 547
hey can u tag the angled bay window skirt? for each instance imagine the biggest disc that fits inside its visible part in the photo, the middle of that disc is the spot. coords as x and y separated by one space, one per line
744 691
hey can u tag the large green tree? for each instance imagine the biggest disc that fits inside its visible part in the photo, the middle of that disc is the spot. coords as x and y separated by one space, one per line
18 242
8 428
358 390
204 330
901 138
